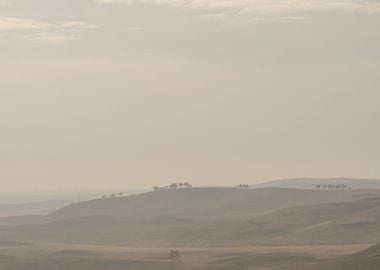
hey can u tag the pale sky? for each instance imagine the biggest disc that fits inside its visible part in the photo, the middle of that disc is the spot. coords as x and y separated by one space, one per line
136 93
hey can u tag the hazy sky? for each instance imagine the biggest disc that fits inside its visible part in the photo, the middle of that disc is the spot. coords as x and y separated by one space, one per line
133 93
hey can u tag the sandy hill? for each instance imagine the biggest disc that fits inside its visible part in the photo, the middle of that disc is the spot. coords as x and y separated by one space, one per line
210 217
368 259
209 202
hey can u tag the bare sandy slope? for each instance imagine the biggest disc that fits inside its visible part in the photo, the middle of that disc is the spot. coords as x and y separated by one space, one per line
368 259
210 217
214 229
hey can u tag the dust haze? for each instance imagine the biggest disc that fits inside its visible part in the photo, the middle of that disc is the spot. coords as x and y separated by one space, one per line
200 134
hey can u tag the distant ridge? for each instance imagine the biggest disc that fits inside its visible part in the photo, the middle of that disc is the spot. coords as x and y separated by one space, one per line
311 183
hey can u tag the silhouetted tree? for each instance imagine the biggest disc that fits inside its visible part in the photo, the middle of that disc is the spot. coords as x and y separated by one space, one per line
188 185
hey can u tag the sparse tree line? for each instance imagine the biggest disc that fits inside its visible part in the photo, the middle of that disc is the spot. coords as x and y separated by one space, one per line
173 186
243 186
333 187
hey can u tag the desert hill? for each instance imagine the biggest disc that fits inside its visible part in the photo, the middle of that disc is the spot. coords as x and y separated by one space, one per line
210 217
368 259
208 202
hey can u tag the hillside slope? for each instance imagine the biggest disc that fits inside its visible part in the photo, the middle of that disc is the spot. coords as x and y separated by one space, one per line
368 259
209 202
211 217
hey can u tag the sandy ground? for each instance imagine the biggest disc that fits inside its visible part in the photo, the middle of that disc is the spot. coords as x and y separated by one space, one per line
126 252
251 257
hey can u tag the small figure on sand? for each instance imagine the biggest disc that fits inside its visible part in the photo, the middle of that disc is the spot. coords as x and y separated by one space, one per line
174 254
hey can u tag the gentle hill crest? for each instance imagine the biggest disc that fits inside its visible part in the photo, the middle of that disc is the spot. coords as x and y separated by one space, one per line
208 201
211 217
